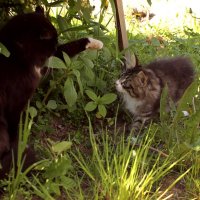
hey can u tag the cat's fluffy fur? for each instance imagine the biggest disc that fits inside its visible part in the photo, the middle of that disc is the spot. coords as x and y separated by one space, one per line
141 87
31 39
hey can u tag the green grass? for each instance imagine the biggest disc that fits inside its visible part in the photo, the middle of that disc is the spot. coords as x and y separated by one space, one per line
123 170
114 168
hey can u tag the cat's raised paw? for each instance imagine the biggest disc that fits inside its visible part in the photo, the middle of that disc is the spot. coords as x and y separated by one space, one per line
94 44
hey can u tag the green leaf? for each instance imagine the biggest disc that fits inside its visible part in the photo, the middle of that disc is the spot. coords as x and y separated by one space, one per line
88 62
61 146
90 106
58 167
190 92
149 2
76 64
193 121
70 93
4 50
89 73
52 104
92 54
196 145
67 59
108 98
63 26
55 62
91 95
39 105
54 187
155 42
33 112
67 182
86 13
100 84
78 77
106 53
102 110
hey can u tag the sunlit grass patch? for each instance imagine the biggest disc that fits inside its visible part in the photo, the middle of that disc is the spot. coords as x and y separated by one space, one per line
124 170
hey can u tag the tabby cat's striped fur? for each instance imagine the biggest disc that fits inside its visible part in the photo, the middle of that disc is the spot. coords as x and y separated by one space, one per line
141 87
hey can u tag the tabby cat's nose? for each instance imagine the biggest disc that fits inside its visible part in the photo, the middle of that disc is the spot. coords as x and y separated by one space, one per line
117 82
118 86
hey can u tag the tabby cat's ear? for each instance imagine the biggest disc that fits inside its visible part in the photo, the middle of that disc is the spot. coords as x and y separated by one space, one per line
142 78
136 65
39 10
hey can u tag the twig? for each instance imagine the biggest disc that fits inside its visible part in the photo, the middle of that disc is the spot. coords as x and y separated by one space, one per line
154 149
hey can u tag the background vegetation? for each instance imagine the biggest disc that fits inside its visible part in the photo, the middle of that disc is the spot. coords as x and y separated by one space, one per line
78 127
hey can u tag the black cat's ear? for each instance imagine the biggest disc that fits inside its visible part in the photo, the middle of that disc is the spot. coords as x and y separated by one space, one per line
39 10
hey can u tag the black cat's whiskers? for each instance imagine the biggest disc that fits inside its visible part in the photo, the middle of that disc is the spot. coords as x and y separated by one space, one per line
46 72
38 71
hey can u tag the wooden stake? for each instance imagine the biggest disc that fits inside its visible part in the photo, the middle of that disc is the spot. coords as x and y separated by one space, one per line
130 60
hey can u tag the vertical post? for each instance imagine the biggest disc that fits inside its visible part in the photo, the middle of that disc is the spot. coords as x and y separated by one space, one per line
130 60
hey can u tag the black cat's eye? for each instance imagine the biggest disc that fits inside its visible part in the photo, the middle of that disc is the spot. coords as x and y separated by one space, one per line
46 36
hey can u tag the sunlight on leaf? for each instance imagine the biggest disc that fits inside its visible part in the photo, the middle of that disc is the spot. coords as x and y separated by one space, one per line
4 50
67 59
55 62
61 146
108 98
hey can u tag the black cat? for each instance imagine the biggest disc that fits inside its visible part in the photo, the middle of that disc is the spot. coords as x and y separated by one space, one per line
31 39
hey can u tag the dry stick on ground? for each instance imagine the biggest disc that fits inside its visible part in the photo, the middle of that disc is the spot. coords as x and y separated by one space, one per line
130 60
155 150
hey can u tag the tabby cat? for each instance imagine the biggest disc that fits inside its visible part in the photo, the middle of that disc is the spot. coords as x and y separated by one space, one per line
31 39
141 87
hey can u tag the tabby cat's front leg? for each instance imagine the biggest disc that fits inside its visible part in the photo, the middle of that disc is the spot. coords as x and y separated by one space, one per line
138 123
